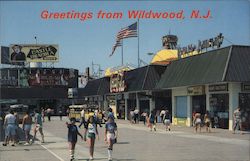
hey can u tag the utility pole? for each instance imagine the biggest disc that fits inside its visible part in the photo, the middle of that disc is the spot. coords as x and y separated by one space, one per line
99 69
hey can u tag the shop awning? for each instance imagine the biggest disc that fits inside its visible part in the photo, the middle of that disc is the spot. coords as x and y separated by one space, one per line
222 65
144 78
95 87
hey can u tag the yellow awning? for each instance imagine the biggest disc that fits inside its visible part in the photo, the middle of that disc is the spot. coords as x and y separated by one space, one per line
165 56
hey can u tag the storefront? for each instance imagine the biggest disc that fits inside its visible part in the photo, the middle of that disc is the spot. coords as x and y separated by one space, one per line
198 98
143 103
163 100
120 106
219 105
210 82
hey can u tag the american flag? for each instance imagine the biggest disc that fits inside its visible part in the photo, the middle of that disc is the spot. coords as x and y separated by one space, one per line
118 43
127 32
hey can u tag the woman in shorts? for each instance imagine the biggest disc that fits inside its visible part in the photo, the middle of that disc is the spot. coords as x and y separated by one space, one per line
207 120
27 121
38 125
152 121
110 135
166 119
197 121
91 132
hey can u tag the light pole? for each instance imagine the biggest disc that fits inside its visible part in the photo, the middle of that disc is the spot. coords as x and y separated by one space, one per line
36 39
38 64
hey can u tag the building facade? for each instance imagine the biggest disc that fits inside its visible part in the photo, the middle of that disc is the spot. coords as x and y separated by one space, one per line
216 81
38 87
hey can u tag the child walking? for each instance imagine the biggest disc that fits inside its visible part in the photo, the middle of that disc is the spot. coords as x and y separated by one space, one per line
166 119
72 136
91 132
110 135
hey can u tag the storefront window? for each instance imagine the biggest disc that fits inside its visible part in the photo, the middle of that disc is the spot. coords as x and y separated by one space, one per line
219 104
199 104
121 109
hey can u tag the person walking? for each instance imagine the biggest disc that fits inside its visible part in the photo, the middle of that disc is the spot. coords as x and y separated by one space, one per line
26 124
216 120
72 137
111 113
10 128
197 121
207 120
67 112
110 137
144 116
49 114
132 115
91 132
152 121
237 120
166 120
96 118
60 114
136 116
17 136
82 113
1 122
43 114
162 113
38 126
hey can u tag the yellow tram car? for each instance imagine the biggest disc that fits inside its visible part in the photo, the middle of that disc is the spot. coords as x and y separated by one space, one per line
75 111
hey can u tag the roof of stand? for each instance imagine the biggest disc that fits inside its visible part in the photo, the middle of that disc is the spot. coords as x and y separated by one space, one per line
229 64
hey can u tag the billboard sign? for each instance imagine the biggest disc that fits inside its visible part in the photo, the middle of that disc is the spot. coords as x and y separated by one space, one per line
117 83
39 77
5 57
33 53
52 77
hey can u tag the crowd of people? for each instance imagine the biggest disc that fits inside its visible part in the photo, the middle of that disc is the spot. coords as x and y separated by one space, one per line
31 123
35 121
91 133
199 120
11 126
150 119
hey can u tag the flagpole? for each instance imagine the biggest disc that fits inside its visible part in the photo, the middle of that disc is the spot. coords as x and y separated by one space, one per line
122 51
138 37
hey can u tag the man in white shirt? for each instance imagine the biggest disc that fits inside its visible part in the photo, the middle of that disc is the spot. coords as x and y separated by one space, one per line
82 118
162 113
10 128
136 112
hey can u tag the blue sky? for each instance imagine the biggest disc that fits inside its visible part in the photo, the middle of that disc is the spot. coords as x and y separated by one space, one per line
81 42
